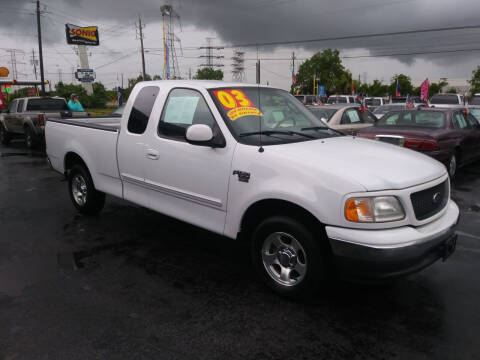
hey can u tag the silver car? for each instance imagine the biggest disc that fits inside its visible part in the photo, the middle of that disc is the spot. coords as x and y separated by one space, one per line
346 119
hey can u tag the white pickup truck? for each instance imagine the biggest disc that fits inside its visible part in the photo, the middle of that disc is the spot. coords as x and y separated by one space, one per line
252 163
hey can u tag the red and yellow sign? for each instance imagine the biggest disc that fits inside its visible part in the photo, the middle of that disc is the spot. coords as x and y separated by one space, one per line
77 35
4 72
236 103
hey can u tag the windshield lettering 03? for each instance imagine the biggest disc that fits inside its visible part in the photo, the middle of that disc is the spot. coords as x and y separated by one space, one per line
276 114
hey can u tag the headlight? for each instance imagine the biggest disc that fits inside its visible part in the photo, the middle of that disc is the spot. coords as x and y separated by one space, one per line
374 209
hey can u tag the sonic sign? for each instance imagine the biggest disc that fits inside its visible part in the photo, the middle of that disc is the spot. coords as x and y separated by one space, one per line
77 35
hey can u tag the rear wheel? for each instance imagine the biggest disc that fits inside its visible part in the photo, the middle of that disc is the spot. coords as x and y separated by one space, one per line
5 137
30 138
84 196
287 257
452 166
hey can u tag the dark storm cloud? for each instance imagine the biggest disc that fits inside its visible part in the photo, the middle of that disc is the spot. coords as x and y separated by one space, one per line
252 21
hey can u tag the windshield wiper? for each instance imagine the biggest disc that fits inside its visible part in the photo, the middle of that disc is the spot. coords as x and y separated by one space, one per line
315 128
275 132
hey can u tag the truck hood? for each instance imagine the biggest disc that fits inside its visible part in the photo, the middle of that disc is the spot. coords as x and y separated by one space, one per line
371 164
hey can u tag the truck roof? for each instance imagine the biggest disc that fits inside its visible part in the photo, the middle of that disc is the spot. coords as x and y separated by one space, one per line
207 84
40 97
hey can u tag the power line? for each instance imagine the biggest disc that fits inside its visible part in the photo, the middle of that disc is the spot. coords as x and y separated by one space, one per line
352 37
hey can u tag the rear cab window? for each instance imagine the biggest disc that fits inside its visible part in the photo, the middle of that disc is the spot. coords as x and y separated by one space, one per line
47 104
142 109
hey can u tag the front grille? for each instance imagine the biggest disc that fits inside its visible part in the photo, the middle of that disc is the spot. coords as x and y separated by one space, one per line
430 201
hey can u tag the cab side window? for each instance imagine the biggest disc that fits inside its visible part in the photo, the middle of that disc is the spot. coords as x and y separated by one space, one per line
184 107
20 106
141 109
459 121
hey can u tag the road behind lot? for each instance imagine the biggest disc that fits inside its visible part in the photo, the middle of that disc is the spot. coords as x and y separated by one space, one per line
133 284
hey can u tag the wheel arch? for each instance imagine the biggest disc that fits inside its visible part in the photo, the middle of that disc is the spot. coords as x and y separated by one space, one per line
71 159
264 208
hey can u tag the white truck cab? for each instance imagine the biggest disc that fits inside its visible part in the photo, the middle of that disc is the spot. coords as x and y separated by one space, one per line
252 163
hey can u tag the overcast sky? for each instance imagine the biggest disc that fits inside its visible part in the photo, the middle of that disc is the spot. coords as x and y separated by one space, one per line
244 22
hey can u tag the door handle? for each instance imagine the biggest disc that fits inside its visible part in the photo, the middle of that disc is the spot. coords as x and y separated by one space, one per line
152 154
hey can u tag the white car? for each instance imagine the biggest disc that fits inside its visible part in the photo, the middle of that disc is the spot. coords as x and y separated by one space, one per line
341 99
252 163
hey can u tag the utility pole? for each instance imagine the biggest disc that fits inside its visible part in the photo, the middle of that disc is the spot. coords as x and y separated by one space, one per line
293 70
140 36
122 80
258 71
40 51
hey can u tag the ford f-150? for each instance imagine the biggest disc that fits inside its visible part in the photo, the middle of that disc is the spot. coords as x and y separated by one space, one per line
252 163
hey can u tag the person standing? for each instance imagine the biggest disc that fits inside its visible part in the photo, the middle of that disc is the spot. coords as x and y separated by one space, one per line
74 104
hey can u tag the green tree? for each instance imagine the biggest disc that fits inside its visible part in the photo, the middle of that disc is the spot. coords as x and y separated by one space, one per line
327 67
377 89
208 74
475 81
436 88
406 87
452 90
97 100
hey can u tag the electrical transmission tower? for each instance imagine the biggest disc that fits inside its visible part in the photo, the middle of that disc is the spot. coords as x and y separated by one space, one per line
14 61
171 69
238 66
209 54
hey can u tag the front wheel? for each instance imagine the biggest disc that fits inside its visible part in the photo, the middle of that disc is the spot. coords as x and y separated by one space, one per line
84 196
288 257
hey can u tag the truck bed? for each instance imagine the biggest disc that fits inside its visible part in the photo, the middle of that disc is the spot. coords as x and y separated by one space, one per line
94 140
100 123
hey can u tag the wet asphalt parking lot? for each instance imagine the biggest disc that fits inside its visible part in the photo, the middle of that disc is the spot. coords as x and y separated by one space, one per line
133 284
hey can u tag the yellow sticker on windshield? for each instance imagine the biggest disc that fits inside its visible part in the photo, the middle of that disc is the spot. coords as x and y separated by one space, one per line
235 113
236 103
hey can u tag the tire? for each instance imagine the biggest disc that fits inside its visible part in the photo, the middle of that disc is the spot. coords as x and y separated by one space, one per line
452 165
30 139
5 137
288 257
86 199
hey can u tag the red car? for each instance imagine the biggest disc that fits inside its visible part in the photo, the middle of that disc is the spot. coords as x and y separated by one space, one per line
449 135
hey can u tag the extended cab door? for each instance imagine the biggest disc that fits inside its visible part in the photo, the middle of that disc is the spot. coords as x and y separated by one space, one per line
132 144
188 182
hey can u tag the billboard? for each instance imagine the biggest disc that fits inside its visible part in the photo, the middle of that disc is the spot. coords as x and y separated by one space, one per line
77 35
85 75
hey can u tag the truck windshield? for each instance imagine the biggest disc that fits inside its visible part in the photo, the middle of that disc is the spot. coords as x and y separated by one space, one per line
258 115
373 102
46 105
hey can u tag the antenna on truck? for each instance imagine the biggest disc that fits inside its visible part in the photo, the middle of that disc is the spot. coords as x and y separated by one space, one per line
260 117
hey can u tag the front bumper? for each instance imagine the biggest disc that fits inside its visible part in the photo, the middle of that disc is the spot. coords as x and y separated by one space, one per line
388 253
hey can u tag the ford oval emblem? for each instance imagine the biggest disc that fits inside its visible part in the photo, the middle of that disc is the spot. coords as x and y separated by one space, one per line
436 198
